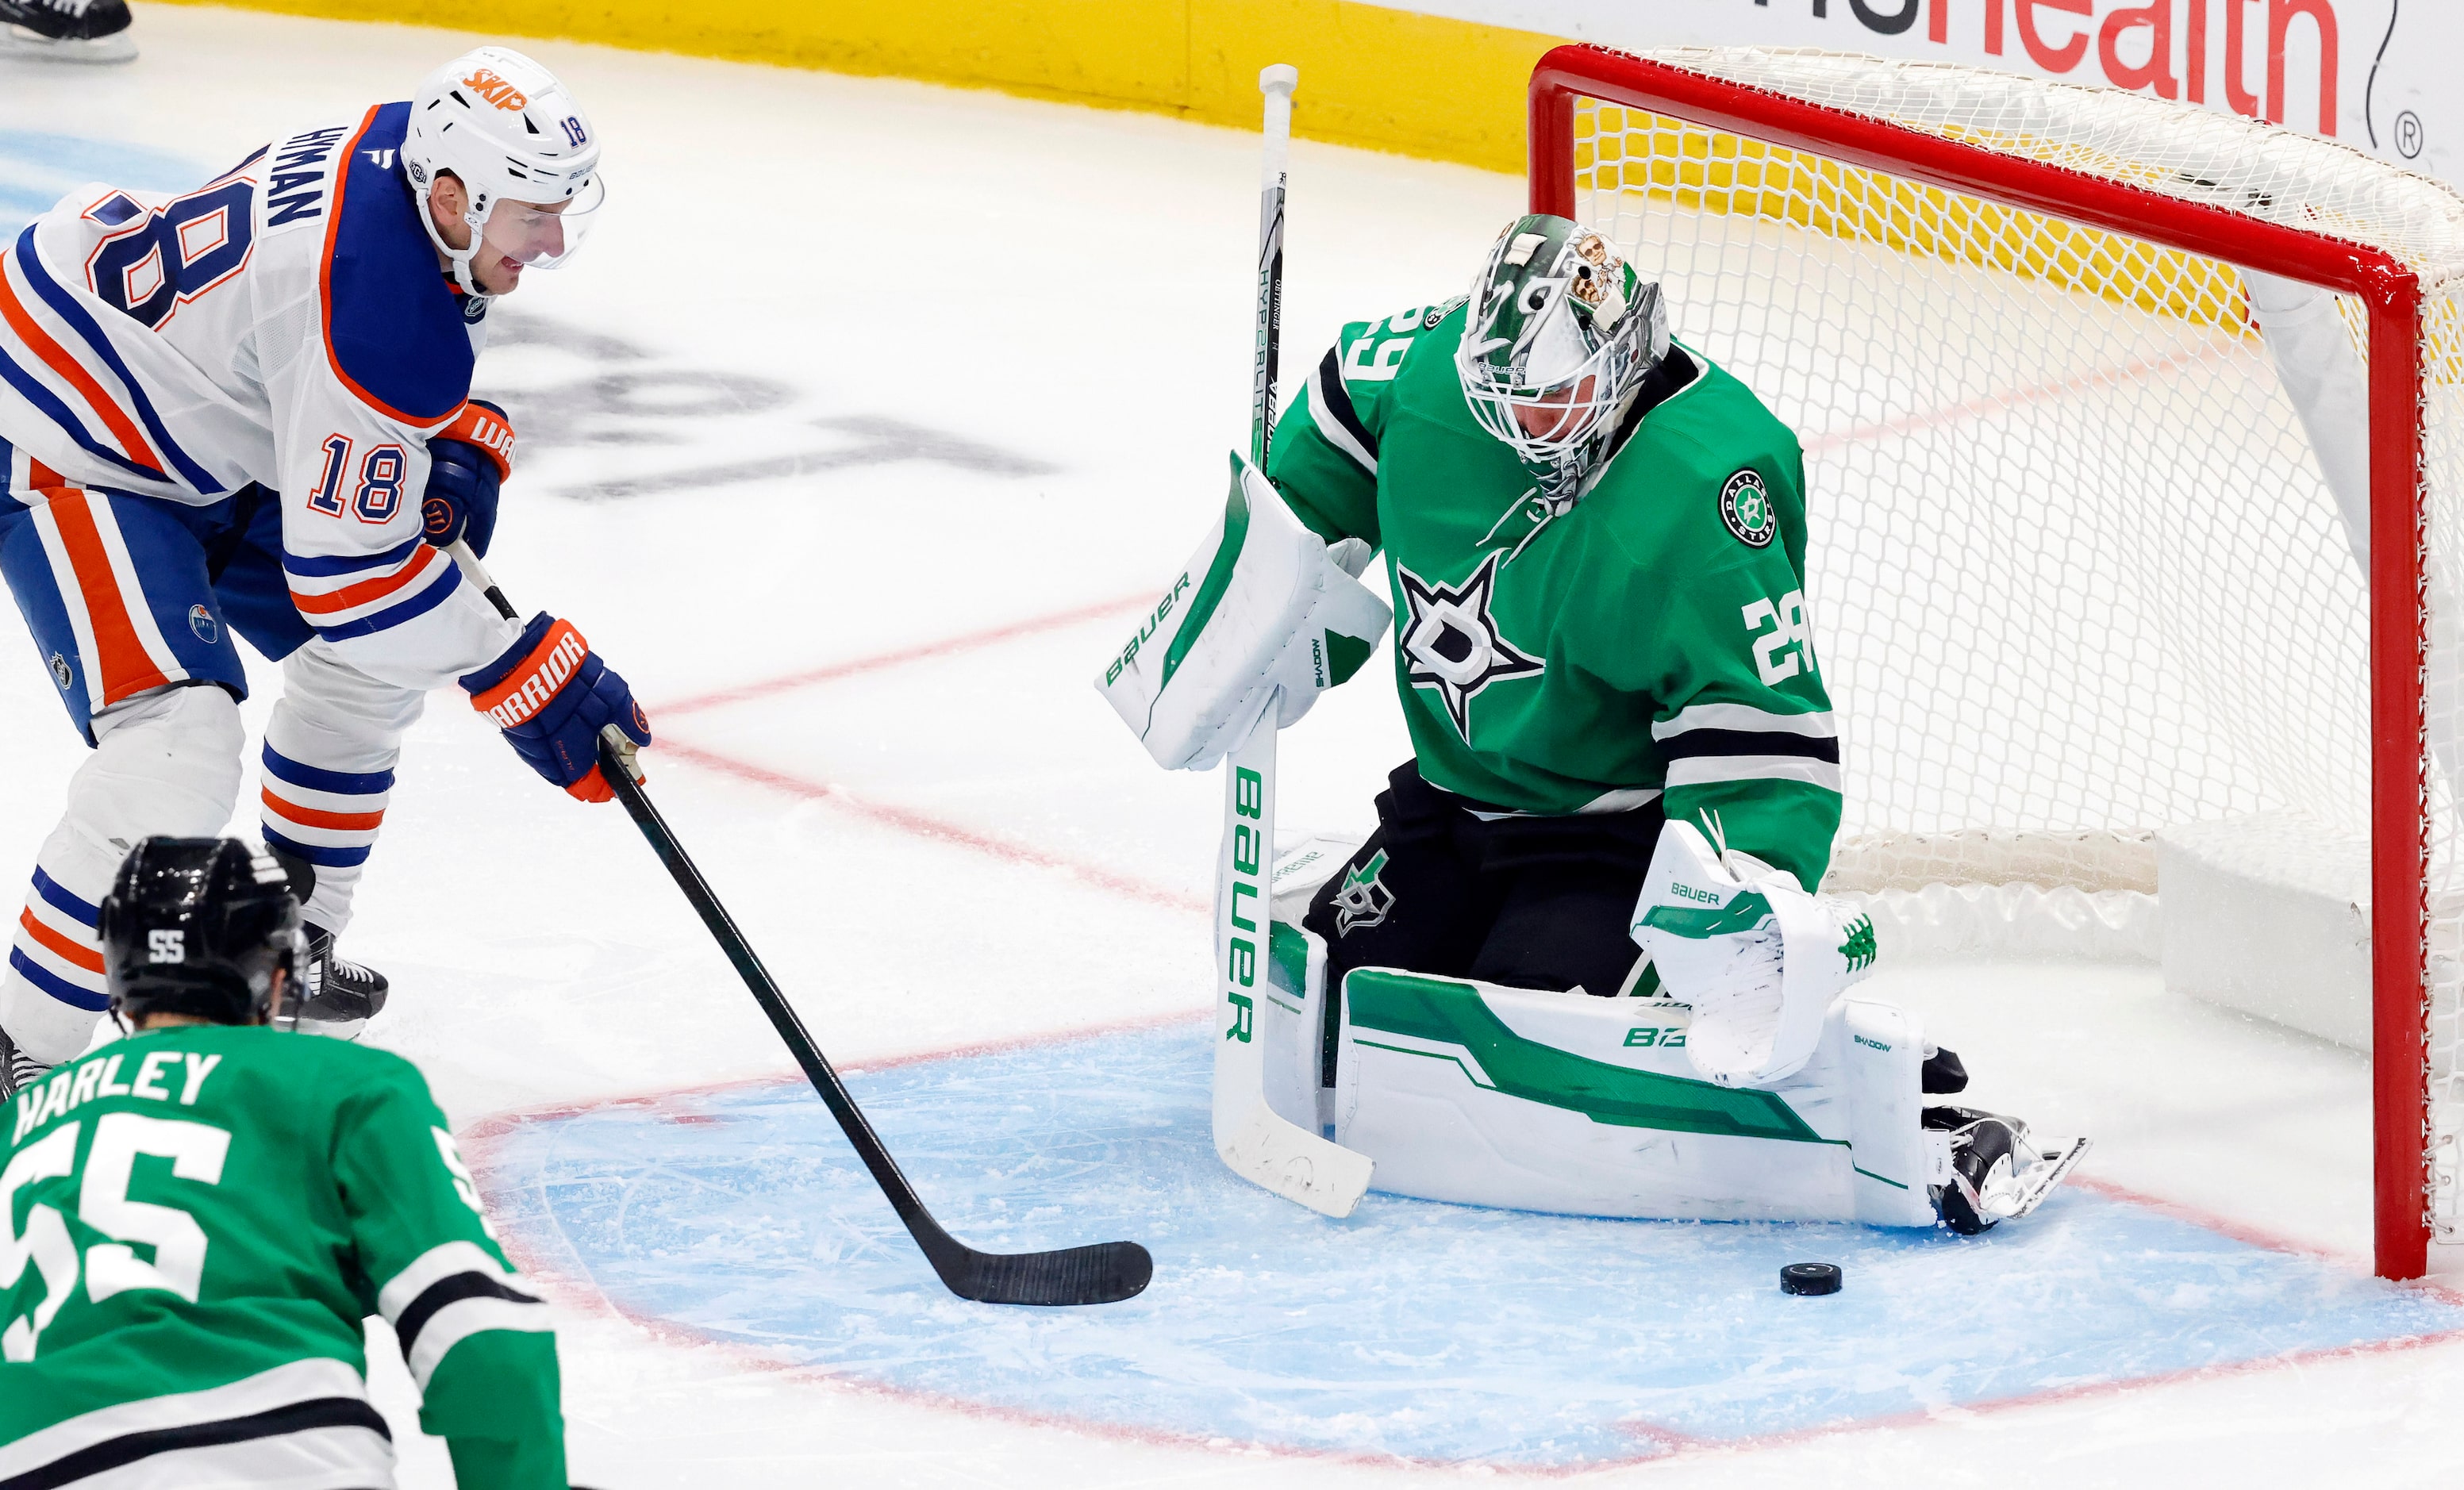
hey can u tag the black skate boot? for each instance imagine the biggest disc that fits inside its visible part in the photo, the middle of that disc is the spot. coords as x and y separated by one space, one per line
342 996
66 31
18 1070
2000 1172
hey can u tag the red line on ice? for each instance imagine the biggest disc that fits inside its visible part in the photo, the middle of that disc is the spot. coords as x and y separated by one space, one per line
906 819
924 825
948 646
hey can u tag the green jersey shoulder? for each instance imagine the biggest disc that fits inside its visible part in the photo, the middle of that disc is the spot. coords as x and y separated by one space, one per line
198 1220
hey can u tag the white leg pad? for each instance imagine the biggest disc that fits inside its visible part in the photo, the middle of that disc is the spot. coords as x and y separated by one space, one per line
1483 1095
1292 1015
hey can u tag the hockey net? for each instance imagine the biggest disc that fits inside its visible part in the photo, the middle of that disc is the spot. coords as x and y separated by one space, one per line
2078 582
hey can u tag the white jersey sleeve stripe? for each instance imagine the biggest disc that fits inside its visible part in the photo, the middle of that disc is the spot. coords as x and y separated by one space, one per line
290 1386
1711 770
432 1267
463 1318
346 596
1817 724
313 568
424 586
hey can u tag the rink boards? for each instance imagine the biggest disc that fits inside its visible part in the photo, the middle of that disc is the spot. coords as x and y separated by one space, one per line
1412 1331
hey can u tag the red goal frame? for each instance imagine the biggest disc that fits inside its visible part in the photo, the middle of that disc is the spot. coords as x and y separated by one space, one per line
2398 598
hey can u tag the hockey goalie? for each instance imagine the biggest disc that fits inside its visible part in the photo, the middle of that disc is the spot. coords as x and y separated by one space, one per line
1583 964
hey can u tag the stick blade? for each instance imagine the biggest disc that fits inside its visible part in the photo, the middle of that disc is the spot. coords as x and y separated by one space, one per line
1292 1161
1105 1273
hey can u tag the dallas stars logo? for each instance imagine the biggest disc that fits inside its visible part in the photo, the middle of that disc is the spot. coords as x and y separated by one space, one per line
1362 901
1453 644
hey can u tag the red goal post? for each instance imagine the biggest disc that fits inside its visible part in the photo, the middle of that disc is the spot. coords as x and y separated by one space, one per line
1720 92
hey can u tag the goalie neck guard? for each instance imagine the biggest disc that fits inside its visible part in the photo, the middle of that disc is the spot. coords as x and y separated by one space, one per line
198 925
1558 337
511 133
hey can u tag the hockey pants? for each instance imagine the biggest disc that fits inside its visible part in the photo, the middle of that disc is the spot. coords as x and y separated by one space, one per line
1527 902
132 602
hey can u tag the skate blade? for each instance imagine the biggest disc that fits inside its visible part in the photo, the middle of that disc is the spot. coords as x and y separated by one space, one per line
332 1029
15 41
2054 1163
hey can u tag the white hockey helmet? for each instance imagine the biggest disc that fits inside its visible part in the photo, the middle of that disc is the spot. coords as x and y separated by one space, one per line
510 132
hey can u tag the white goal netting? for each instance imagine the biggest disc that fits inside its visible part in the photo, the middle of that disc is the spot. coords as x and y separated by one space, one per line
2078 577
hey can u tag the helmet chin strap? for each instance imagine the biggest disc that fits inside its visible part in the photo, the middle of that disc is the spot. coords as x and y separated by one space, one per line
462 260
457 261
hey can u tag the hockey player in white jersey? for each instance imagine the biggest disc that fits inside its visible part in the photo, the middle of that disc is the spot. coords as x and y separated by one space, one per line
247 408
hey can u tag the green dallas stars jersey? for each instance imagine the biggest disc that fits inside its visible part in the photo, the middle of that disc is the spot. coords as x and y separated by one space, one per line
198 1220
1652 639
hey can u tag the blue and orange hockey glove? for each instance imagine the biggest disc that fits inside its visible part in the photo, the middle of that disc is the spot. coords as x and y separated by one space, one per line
551 695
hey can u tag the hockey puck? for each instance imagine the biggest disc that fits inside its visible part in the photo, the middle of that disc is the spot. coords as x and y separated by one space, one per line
1810 1277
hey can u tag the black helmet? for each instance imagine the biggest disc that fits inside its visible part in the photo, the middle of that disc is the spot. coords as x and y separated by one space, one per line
198 925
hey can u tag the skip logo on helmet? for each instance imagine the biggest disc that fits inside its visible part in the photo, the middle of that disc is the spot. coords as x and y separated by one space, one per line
499 92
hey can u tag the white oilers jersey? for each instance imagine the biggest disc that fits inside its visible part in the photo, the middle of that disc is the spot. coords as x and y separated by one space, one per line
287 324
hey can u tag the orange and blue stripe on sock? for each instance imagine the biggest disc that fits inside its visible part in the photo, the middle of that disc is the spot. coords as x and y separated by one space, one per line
57 949
327 818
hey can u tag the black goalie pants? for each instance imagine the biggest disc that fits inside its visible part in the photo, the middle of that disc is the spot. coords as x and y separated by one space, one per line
1527 902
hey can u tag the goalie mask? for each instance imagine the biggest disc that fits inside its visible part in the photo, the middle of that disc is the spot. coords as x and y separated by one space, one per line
526 157
1559 335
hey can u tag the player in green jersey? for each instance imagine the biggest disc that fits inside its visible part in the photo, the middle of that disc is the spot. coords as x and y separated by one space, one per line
199 1216
1625 774
1597 544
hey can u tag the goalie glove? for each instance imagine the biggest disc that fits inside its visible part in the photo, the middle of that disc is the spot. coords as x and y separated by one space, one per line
1758 959
1263 604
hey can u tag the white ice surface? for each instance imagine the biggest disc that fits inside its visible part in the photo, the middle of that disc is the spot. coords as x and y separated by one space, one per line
1066 291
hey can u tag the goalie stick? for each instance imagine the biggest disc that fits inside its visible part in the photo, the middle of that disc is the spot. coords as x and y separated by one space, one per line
1252 1141
1104 1273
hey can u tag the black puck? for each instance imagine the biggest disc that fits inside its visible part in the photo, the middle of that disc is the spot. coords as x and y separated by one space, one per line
1810 1277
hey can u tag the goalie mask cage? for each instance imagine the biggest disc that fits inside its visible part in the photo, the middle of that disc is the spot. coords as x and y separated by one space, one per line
2078 576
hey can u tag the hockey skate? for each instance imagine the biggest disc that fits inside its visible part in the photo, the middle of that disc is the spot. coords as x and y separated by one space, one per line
18 1070
342 996
66 31
2000 1172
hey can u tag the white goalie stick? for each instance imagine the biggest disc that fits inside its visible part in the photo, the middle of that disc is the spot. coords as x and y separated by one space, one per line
1256 1144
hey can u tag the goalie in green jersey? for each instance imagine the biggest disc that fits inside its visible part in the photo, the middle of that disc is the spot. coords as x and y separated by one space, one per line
199 1216
1625 775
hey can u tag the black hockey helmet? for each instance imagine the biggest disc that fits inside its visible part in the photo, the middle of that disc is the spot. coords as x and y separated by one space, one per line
198 925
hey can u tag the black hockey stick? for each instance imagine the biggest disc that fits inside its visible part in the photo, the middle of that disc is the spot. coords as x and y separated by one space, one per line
1105 1273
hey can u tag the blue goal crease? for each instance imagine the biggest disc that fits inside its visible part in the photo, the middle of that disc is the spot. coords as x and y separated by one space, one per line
1413 1331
